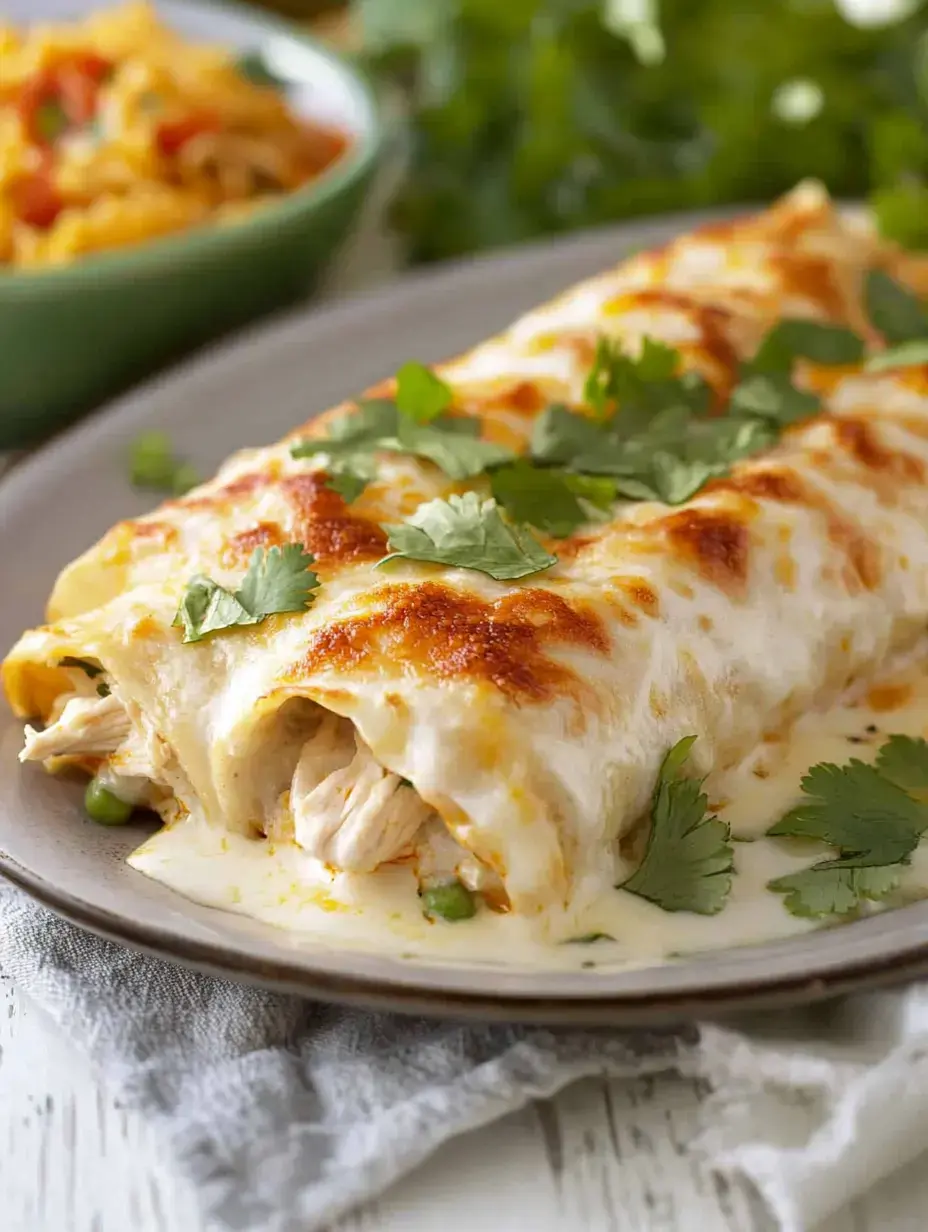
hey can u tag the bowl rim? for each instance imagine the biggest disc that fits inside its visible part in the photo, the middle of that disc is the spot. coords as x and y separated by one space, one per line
114 264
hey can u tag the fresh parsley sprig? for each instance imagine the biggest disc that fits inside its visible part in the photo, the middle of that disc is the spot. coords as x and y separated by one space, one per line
873 816
688 862
467 532
278 580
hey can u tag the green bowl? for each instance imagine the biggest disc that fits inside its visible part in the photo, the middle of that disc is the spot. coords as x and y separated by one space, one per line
73 336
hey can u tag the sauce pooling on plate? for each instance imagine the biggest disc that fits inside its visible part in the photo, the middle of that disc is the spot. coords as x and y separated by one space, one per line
278 884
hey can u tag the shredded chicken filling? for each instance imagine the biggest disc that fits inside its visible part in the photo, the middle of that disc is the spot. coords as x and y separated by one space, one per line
87 725
348 811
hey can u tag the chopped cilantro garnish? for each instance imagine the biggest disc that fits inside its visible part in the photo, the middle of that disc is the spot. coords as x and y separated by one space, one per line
155 466
896 312
420 394
869 818
550 500
450 442
559 436
349 476
904 761
589 939
469 533
818 341
668 459
873 816
905 355
641 385
826 890
688 863
773 397
278 580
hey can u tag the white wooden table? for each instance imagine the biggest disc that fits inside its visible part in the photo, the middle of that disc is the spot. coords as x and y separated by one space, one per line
72 1161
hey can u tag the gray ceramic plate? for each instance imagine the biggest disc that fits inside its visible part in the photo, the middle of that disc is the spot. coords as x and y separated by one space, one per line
55 504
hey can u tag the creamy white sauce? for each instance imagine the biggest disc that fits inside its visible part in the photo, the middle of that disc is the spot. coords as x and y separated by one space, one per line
279 884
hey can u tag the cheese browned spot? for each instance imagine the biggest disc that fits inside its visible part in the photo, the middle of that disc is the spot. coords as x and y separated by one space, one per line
813 279
447 634
860 438
642 594
240 547
325 527
864 565
164 532
716 541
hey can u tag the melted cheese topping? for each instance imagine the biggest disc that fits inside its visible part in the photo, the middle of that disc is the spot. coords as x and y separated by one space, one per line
530 717
280 885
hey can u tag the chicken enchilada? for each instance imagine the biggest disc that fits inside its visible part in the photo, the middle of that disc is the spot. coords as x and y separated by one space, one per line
483 633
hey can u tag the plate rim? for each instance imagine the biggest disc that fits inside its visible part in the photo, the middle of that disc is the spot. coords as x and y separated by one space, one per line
868 958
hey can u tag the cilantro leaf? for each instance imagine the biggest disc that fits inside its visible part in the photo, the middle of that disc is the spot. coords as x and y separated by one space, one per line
468 532
154 465
560 435
353 433
598 490
688 863
350 475
673 460
668 459
895 311
451 442
871 820
822 890
794 338
588 939
547 499
278 580
772 396
374 418
638 387
206 607
420 394
905 355
904 761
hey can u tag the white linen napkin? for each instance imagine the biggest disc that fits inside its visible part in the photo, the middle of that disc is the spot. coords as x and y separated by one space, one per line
286 1113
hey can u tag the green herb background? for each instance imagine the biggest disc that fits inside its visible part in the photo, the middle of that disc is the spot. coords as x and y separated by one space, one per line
530 117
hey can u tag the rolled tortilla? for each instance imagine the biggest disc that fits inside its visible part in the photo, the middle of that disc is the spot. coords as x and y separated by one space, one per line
527 718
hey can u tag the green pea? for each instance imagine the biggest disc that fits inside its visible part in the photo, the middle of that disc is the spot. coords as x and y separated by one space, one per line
450 901
105 808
